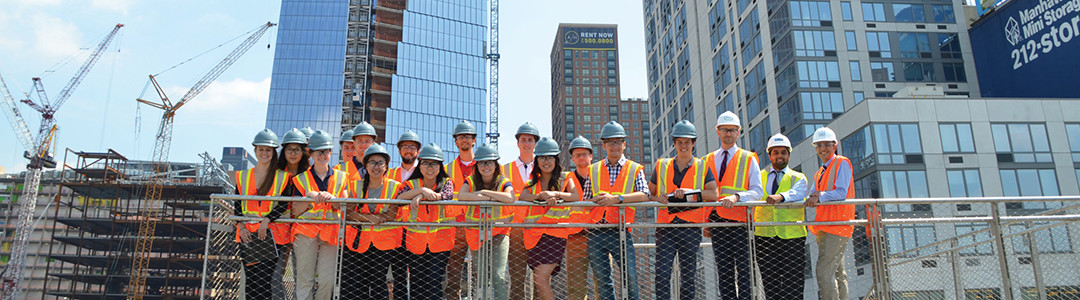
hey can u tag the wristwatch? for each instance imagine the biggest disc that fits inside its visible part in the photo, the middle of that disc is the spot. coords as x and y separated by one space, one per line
620 199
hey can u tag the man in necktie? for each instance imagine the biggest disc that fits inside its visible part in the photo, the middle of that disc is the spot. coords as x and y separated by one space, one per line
780 248
833 182
740 181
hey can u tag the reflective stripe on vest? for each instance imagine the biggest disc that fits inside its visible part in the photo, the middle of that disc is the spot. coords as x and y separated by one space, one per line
421 239
736 179
578 214
501 213
623 185
351 170
547 215
382 237
336 185
828 213
245 182
771 214
693 179
510 171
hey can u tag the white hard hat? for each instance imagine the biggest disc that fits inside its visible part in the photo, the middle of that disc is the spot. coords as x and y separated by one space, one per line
824 134
778 140
728 118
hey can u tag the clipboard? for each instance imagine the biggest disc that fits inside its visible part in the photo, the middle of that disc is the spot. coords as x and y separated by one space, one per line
672 199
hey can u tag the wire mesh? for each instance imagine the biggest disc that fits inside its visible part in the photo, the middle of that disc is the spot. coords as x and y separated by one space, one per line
896 251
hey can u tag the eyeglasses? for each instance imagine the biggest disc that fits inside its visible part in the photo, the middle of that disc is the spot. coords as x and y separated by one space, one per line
376 163
487 163
613 142
409 147
824 145
547 158
582 155
464 137
728 130
294 150
429 164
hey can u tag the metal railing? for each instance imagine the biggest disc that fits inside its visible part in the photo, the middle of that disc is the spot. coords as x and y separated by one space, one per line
912 248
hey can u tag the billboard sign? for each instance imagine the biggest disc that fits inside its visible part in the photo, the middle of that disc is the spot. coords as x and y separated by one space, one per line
589 38
1028 48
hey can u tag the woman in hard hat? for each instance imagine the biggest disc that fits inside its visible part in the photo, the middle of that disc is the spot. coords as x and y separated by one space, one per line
316 244
547 245
296 159
487 184
371 246
428 246
261 252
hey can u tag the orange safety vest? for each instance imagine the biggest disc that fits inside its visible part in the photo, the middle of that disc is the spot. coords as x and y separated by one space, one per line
502 214
383 237
547 215
457 176
245 182
395 173
433 239
305 182
623 185
578 214
736 179
694 179
510 171
350 169
831 213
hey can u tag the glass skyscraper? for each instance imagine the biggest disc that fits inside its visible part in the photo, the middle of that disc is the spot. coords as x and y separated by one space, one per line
399 65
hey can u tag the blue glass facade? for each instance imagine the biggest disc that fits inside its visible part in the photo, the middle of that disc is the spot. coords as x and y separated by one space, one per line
410 65
441 75
309 66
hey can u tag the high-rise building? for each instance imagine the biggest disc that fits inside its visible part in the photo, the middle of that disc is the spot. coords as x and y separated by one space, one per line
399 65
585 91
237 158
792 66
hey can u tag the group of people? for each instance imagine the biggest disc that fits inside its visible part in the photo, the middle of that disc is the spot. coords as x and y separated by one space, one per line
429 260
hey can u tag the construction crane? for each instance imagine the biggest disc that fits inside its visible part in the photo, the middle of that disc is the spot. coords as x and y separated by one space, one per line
150 212
493 79
37 151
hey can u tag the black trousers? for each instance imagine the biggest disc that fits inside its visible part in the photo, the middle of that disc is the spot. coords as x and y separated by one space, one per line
732 255
426 274
259 273
782 262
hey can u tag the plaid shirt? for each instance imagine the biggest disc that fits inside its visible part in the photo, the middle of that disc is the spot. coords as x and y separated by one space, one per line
640 184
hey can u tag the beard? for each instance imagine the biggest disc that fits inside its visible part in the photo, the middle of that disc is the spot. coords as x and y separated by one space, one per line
408 160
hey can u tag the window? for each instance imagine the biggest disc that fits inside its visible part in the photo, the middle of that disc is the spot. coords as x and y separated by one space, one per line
894 142
845 9
817 74
954 72
910 236
964 183
850 37
1022 143
882 71
749 27
751 50
1027 183
1073 131
943 13
909 13
759 137
814 43
878 44
856 72
755 105
914 45
727 104
810 13
956 138
949 45
983 235
873 12
919 72
904 184
859 96
1051 240
821 105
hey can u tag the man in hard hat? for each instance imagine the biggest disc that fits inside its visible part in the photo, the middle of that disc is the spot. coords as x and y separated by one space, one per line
408 145
615 180
577 261
832 182
676 179
459 169
780 248
363 136
738 173
519 172
347 150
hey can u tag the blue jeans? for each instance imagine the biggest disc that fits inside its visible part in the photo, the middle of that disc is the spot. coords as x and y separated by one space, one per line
732 254
682 243
603 242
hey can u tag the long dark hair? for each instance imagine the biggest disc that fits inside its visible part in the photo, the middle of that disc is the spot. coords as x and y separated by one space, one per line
367 179
479 179
283 163
554 183
439 179
268 179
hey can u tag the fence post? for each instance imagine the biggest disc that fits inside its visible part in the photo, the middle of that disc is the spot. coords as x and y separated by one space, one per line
879 253
1036 268
999 242
623 253
206 249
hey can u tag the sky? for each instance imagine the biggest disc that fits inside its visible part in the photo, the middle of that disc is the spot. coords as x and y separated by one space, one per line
51 39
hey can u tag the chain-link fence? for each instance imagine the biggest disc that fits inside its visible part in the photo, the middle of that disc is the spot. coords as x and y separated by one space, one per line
951 248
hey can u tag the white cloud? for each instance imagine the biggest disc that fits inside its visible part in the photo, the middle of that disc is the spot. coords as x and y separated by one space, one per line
54 36
226 102
121 6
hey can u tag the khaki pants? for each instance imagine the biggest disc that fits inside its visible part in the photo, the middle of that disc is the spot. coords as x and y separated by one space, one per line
454 266
831 276
316 261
